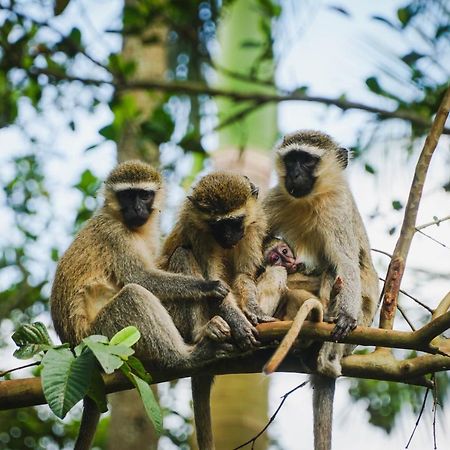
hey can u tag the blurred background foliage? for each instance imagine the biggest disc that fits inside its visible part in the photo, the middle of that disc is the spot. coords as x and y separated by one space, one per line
60 65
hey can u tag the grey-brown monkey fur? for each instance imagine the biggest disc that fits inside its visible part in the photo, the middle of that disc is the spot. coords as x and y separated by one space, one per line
108 279
191 248
325 227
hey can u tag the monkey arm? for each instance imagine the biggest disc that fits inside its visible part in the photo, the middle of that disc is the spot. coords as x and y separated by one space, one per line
175 286
245 288
342 254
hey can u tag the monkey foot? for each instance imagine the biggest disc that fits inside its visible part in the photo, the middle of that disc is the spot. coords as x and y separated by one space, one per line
217 329
344 325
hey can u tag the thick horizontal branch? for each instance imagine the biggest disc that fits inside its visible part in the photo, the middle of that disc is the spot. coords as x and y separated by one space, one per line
196 88
379 365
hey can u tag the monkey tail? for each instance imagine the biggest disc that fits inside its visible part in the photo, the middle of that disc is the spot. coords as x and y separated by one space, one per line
290 337
323 397
88 426
201 392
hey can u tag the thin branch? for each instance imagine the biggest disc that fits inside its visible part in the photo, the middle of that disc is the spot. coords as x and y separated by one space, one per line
432 238
382 252
430 310
443 306
434 222
196 88
2 374
406 318
435 403
397 265
274 415
418 418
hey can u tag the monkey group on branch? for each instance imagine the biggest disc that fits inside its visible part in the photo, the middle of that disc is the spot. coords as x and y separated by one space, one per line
231 261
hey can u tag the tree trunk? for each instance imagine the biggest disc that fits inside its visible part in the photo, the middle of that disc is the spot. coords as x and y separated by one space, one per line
129 427
239 402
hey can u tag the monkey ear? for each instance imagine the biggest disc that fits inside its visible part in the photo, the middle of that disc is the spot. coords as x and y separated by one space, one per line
342 156
253 188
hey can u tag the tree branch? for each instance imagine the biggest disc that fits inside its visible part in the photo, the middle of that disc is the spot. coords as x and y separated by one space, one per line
380 365
397 265
195 88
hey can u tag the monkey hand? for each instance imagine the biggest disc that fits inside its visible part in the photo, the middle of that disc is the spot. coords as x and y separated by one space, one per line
256 315
244 333
344 325
214 290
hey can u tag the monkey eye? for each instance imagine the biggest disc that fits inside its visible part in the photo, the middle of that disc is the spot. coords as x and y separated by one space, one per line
146 195
284 251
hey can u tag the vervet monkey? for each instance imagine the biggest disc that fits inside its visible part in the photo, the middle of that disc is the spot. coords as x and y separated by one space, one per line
219 235
107 279
313 209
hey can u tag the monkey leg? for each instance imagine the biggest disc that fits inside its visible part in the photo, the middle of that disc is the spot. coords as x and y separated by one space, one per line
271 286
161 343
191 318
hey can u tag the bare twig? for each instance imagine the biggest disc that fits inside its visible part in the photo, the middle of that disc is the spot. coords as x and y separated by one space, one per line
2 374
434 222
430 310
418 418
397 265
435 404
443 306
432 238
382 252
274 415
406 318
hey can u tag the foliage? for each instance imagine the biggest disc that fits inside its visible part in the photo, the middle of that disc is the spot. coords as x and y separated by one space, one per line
70 375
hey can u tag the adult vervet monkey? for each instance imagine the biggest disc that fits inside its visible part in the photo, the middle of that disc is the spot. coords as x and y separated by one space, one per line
219 235
108 279
313 209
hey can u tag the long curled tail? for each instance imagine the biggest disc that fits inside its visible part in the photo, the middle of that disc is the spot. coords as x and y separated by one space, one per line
88 426
323 397
201 392
312 304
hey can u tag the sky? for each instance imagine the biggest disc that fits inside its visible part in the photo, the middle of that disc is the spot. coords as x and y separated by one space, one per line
332 54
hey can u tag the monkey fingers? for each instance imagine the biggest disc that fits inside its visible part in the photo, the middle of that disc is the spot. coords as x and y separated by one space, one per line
217 329
215 290
246 337
344 325
255 314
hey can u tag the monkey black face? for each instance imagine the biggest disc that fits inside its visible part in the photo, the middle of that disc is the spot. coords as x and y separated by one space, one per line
228 232
135 206
300 167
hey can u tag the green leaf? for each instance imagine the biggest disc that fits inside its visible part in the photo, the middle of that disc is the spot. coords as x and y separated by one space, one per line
373 85
411 58
404 15
138 368
128 337
397 205
150 404
110 357
31 339
109 132
368 168
97 390
75 36
65 379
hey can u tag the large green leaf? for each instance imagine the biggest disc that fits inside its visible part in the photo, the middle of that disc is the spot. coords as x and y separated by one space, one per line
128 337
66 379
110 357
150 404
